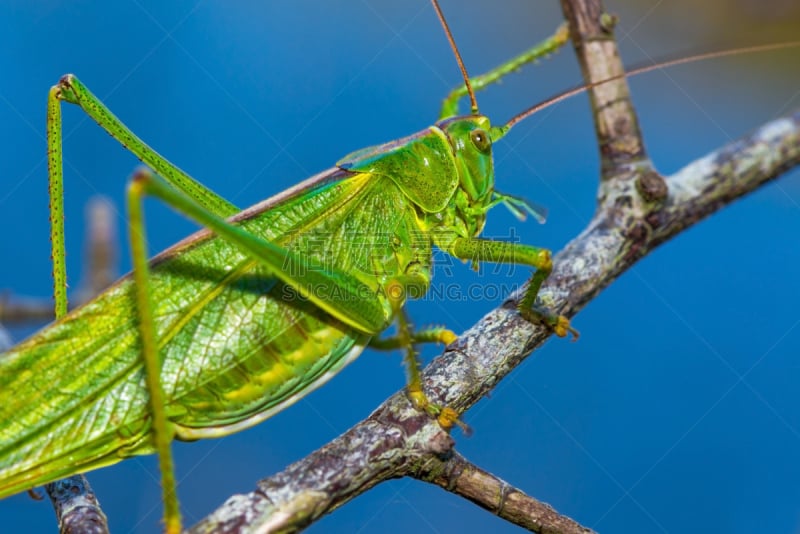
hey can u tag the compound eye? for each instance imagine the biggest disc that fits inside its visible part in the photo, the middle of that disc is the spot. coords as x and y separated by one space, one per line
481 140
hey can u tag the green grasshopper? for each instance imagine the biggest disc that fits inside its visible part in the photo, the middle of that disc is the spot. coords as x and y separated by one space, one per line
317 338
239 321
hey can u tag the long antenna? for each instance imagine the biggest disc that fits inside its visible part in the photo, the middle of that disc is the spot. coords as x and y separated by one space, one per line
473 102
641 70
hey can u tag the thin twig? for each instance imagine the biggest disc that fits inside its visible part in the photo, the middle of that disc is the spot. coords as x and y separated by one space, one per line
24 310
616 125
461 477
100 268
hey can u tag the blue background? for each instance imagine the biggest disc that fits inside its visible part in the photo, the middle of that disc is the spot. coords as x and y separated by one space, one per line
677 411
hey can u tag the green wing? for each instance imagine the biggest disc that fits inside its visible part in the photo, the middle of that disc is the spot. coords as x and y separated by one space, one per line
237 344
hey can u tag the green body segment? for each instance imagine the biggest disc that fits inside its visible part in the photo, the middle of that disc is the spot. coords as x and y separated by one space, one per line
410 162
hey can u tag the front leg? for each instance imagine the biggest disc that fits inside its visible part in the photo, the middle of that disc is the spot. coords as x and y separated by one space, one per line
478 250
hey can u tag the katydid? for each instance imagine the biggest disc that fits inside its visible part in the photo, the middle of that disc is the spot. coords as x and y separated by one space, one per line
238 322
245 290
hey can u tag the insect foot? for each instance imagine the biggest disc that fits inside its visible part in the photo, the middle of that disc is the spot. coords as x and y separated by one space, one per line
558 323
446 416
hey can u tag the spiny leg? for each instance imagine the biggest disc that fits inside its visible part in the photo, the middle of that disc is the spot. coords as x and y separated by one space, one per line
405 339
56 190
479 250
162 436
435 334
538 51
77 486
532 312
70 89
